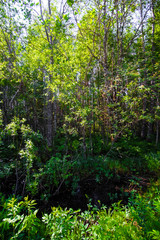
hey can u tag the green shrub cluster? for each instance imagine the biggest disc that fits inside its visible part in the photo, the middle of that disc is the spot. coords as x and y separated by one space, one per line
20 157
39 171
28 166
139 220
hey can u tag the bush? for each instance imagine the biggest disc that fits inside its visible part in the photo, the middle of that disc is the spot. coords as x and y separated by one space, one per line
153 162
20 157
139 220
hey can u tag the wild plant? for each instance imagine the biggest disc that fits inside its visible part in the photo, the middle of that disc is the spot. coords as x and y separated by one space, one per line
21 221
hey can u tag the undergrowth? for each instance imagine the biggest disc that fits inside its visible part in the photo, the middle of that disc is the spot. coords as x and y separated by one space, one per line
138 220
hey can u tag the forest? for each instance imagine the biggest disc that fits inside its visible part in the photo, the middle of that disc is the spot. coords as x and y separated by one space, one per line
80 119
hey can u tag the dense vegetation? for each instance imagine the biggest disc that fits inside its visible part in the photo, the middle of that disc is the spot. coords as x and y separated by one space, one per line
79 119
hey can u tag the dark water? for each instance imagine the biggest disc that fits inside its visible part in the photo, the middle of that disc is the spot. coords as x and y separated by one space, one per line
105 192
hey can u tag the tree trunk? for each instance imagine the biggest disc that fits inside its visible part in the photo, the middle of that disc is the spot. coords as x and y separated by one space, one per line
143 66
150 125
49 115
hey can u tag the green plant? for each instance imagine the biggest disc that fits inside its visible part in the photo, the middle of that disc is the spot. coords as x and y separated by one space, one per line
153 161
117 224
145 210
20 156
69 224
138 220
21 220
57 171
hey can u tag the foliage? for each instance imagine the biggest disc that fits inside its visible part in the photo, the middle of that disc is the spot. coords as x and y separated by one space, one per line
153 162
20 155
146 211
140 220
21 221
79 99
